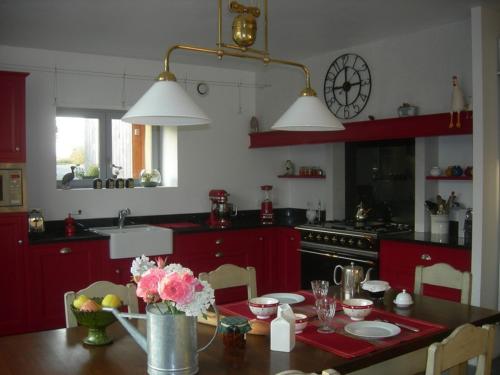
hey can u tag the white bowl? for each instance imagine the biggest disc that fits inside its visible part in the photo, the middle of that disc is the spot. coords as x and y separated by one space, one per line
300 322
263 307
357 308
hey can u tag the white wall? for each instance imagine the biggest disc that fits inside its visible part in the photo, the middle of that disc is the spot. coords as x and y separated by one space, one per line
216 156
415 68
486 223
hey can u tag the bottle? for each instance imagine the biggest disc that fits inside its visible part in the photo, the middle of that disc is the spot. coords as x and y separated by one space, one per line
283 329
69 226
468 227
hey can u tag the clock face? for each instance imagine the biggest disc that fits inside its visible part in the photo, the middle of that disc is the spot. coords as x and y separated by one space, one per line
347 86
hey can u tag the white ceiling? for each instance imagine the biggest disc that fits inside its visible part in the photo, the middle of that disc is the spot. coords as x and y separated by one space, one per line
145 28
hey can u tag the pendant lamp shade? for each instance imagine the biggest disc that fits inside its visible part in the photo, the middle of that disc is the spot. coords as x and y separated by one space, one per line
166 103
308 113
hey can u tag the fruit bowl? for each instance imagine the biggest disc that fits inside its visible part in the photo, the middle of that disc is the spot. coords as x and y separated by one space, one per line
96 322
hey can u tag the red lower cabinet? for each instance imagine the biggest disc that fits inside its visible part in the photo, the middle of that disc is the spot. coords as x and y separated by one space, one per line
56 268
15 295
283 261
398 260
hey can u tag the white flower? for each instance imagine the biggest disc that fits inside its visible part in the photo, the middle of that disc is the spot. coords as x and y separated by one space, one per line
141 265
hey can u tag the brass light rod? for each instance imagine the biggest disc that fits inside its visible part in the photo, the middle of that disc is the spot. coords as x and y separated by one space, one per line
220 53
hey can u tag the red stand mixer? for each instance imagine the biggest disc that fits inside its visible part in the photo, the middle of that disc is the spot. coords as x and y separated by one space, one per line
266 206
220 210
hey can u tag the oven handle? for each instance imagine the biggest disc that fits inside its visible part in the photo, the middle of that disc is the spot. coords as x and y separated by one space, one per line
337 256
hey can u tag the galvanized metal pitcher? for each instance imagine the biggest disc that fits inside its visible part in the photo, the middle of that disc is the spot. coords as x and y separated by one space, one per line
171 342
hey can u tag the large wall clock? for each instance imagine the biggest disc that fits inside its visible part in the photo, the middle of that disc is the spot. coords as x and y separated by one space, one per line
347 87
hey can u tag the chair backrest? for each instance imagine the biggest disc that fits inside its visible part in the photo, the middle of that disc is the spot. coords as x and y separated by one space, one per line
229 275
465 342
99 289
442 274
297 372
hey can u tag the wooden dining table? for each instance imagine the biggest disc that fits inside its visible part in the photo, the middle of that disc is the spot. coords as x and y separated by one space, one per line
61 351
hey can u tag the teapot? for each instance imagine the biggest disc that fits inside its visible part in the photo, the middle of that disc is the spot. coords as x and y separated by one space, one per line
361 212
352 276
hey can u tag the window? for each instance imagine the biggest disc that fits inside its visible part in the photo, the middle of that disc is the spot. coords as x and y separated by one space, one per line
99 144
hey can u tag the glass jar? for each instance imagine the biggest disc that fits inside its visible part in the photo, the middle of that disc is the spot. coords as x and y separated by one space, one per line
150 177
234 329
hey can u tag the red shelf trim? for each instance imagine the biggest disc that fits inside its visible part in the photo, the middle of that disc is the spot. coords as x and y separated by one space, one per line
298 176
455 178
391 128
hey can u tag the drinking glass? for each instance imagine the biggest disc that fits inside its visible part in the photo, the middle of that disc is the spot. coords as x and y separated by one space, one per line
320 288
325 307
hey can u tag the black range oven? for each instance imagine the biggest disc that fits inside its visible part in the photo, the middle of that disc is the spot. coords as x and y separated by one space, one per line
333 243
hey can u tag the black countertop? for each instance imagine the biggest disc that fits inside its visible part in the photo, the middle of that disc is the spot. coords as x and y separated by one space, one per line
430 239
197 223
180 223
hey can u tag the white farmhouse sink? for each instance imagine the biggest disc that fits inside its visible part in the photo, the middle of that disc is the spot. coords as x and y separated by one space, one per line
135 240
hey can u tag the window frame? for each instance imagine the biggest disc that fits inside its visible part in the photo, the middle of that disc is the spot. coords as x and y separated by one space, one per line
105 117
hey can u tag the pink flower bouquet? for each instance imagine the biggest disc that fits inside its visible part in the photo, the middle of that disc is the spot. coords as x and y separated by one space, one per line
171 287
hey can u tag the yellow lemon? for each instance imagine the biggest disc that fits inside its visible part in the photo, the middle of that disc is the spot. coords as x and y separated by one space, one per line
111 300
80 300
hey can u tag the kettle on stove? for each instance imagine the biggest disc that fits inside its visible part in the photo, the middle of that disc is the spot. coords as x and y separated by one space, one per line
362 212
352 276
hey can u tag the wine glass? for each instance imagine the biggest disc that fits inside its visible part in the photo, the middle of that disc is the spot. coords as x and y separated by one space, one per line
325 307
320 288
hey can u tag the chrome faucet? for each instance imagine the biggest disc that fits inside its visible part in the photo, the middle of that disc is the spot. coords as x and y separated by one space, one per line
122 214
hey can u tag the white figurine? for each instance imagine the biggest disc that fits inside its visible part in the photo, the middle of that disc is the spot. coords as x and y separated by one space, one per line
457 102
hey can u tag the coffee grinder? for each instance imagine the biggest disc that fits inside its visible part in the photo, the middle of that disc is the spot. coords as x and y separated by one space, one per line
220 210
266 206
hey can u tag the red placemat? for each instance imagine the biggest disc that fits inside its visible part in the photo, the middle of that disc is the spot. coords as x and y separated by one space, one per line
341 343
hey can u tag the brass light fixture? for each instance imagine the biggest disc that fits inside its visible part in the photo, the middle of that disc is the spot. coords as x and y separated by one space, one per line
167 103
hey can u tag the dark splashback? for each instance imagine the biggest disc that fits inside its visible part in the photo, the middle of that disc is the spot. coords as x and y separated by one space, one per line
381 174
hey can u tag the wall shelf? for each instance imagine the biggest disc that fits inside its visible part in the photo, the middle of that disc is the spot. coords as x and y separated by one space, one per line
299 176
450 178
373 130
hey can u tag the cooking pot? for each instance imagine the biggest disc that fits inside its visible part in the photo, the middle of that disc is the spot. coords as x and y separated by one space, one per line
361 212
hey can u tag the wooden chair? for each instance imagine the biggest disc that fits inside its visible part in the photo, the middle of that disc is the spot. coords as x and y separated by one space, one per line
297 372
99 289
229 275
466 342
442 274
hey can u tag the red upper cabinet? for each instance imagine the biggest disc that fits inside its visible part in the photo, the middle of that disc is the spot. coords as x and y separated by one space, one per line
12 117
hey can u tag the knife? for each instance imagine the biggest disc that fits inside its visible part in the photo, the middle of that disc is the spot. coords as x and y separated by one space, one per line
409 328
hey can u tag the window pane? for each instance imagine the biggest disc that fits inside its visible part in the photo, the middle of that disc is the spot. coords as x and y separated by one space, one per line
131 148
77 143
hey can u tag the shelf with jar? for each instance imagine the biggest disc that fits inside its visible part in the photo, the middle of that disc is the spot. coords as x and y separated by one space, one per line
304 172
452 173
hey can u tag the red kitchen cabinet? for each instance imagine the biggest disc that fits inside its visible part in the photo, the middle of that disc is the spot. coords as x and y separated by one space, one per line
283 265
203 252
13 240
56 268
398 260
12 117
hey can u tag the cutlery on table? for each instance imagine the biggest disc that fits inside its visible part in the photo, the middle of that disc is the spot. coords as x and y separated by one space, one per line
401 325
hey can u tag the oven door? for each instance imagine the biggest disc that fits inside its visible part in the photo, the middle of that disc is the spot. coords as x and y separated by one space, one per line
318 264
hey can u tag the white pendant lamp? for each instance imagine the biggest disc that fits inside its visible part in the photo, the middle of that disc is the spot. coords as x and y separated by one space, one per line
166 103
308 113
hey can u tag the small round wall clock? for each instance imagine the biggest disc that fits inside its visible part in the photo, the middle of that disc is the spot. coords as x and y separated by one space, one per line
347 86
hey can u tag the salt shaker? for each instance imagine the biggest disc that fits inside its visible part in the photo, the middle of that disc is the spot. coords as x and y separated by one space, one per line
283 329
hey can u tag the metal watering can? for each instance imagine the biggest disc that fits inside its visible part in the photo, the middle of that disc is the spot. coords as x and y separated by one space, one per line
171 342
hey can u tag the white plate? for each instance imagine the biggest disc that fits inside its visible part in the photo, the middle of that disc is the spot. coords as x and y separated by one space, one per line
289 298
372 329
